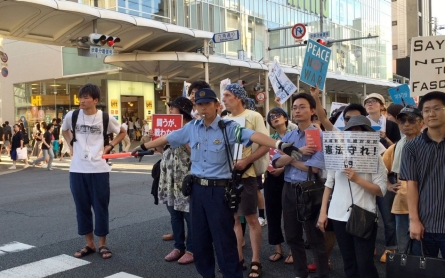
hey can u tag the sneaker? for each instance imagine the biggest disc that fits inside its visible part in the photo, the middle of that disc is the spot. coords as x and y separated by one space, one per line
186 259
50 169
174 255
263 222
312 268
12 167
26 166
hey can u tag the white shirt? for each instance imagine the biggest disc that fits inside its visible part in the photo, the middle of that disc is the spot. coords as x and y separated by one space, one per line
89 138
131 125
145 129
380 123
341 196
125 126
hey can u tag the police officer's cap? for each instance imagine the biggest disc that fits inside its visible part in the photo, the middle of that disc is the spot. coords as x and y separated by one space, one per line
205 95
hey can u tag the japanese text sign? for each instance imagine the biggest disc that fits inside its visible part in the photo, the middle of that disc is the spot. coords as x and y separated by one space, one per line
358 150
427 65
282 86
315 65
401 95
164 124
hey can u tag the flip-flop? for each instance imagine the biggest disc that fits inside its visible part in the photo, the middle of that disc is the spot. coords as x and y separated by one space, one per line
84 253
106 251
287 259
276 257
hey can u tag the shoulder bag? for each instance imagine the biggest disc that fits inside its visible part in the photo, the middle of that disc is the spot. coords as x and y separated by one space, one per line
361 221
309 197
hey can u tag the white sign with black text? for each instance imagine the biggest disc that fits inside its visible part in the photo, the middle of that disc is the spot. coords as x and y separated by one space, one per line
358 150
282 86
427 65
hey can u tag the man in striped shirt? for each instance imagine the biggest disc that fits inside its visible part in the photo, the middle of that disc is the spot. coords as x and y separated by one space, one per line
423 167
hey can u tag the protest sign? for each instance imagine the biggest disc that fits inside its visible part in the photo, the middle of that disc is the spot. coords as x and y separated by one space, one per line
401 95
427 65
313 138
340 122
315 65
164 124
282 86
358 150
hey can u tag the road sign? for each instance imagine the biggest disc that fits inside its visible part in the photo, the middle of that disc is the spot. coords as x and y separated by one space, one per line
298 31
4 58
427 65
315 65
320 35
5 72
260 96
101 50
226 36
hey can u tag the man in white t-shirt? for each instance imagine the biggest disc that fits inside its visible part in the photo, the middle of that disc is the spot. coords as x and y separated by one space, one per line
89 173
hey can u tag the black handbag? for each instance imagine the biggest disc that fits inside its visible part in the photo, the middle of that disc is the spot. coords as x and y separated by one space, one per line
407 265
361 221
309 197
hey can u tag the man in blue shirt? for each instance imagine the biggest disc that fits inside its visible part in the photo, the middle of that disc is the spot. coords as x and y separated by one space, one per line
295 172
212 219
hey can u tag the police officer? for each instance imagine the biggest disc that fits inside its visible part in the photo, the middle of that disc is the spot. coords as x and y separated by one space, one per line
212 219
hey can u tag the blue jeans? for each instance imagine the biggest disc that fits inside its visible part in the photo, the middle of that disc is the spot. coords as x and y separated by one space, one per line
45 152
402 228
91 191
177 220
389 220
432 243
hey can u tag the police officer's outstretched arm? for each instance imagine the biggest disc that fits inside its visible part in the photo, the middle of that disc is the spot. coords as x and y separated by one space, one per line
161 141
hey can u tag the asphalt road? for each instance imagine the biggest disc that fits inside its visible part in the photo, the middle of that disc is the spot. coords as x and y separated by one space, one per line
36 208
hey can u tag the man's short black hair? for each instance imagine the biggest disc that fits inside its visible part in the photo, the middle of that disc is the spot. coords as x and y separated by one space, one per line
353 107
394 109
6 123
199 84
90 90
308 97
58 120
49 126
431 96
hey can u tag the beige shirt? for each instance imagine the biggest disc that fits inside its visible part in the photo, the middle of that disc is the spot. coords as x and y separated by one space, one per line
400 204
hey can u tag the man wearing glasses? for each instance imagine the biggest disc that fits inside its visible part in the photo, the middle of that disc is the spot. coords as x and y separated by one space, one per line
423 167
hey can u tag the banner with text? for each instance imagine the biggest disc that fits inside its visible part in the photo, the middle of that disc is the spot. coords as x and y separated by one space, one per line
315 65
358 150
282 86
164 124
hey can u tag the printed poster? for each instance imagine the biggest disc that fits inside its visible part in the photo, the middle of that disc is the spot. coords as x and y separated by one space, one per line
164 124
282 85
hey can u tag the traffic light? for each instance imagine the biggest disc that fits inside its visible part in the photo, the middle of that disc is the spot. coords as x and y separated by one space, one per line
326 42
322 42
103 40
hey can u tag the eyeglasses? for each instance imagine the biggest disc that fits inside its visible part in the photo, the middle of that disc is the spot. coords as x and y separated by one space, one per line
371 101
275 116
410 120
295 108
436 110
346 119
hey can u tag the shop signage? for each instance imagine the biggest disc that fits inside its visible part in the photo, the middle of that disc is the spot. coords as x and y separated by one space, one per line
427 65
226 36
76 100
283 87
164 124
401 95
36 101
358 150
114 103
315 65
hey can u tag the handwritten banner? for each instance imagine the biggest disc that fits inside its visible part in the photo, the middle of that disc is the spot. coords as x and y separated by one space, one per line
282 85
358 150
164 124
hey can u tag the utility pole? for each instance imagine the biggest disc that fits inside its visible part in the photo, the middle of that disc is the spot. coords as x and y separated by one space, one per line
321 16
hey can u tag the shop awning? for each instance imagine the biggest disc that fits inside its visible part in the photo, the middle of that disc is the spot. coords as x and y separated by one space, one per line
62 22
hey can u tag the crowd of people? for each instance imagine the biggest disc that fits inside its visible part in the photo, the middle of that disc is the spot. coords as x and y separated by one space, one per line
200 175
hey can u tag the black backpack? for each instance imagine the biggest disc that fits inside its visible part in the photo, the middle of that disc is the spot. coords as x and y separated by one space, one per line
105 120
25 137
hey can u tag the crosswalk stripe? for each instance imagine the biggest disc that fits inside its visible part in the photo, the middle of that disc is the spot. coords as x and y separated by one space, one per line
123 275
13 247
43 268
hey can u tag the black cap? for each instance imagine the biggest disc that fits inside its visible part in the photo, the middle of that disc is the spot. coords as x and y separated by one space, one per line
360 121
205 95
183 104
410 110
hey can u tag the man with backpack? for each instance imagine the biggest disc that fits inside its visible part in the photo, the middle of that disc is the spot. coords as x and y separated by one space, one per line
87 129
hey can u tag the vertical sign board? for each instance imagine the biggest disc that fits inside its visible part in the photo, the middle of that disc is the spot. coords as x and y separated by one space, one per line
358 150
427 65
315 65
283 87
164 124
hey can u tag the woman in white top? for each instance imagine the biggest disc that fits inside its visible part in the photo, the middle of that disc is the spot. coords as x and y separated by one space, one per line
357 252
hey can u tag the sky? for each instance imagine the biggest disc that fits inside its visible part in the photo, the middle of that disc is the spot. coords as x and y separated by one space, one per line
438 8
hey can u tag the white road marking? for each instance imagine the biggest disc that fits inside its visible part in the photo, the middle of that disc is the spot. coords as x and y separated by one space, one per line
44 268
13 247
123 275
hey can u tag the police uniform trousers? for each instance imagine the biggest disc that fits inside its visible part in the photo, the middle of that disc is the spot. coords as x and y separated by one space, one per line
212 227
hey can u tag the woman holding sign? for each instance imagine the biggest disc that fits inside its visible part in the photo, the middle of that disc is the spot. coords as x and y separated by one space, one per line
359 189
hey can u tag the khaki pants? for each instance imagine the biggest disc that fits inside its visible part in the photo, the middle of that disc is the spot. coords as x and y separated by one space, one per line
126 144
145 139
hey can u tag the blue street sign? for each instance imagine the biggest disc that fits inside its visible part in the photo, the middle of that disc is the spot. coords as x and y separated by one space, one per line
320 35
226 36
315 65
401 95
101 50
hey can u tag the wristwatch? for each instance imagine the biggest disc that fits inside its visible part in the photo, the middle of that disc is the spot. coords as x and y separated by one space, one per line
111 145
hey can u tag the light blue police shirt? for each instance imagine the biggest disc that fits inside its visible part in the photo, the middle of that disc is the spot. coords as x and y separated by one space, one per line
291 173
208 154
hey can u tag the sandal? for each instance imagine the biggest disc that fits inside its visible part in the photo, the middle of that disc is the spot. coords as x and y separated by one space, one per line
255 271
85 252
289 258
276 257
105 252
